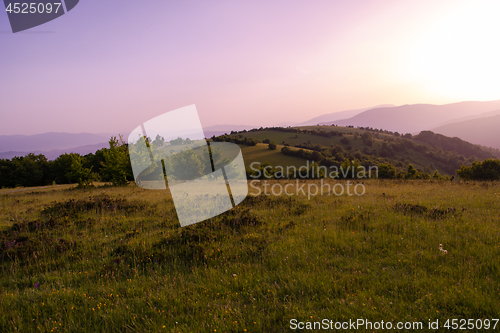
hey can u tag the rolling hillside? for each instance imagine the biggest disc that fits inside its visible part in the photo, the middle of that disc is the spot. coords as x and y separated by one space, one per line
261 153
427 151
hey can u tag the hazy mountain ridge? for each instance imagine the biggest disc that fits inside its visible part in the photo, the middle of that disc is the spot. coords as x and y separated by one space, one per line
53 154
475 122
482 131
417 117
457 120
49 141
327 119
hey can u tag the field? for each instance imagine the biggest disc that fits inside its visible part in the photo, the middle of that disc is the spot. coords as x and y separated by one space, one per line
114 259
261 153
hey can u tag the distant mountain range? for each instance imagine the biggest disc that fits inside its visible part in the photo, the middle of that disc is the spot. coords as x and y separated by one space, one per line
329 118
483 131
49 141
52 144
481 115
475 122
417 117
53 154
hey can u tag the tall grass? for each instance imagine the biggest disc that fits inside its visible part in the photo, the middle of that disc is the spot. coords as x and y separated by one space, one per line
116 260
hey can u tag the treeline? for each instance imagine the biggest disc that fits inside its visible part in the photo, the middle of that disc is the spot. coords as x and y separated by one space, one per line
336 154
378 130
108 164
488 169
327 134
317 132
348 169
380 147
237 140
113 164
460 146
442 152
399 142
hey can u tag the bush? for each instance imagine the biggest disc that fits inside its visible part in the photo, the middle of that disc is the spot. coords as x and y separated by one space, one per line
386 171
344 141
488 169
411 172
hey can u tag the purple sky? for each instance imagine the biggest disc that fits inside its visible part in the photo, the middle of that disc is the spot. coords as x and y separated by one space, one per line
108 66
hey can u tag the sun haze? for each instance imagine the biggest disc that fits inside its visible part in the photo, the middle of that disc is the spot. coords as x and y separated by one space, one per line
109 65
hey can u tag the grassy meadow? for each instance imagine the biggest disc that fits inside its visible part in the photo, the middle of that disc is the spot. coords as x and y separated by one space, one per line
114 259
261 153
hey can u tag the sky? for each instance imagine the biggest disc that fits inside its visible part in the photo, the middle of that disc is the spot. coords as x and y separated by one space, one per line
109 66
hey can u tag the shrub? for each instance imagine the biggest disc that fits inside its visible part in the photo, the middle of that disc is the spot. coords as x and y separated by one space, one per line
344 141
488 169
386 171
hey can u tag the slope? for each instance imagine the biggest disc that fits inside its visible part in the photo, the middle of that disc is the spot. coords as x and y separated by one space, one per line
417 117
334 144
483 131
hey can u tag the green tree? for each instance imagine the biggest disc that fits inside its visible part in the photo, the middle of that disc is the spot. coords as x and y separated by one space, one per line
60 168
344 141
272 145
187 165
488 169
116 165
78 173
411 172
30 170
6 173
315 171
93 161
386 171
347 167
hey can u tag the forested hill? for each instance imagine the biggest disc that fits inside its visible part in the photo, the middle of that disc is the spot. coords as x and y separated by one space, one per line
331 145
326 145
457 145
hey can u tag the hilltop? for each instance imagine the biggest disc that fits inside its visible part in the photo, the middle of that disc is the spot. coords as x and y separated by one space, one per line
332 145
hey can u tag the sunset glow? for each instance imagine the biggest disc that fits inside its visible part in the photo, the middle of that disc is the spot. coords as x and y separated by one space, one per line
458 57
241 63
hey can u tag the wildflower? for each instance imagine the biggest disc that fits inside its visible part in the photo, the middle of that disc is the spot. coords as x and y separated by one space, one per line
37 285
